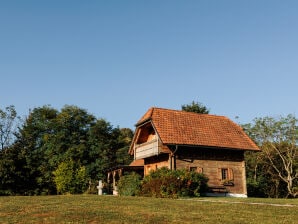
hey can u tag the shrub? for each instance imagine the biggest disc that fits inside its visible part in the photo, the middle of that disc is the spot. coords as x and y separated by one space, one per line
167 183
70 178
129 185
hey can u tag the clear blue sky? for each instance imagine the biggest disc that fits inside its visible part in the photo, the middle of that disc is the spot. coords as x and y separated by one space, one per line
118 58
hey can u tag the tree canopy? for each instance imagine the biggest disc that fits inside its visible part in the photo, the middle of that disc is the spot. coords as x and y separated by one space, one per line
64 151
195 107
8 119
274 171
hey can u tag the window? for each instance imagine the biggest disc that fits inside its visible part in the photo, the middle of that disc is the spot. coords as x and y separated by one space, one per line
196 169
226 176
193 168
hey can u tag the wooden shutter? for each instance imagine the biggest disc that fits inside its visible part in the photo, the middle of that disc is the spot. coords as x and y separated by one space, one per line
219 174
200 170
230 174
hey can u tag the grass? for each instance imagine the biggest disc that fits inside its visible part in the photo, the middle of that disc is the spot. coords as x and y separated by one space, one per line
110 209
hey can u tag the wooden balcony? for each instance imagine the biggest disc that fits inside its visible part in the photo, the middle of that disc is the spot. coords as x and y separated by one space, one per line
147 149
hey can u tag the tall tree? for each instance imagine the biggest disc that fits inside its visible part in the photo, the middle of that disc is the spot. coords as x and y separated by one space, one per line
8 119
101 150
195 107
68 142
51 142
278 140
32 145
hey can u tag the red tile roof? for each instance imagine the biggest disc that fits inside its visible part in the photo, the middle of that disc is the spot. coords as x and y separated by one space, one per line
187 128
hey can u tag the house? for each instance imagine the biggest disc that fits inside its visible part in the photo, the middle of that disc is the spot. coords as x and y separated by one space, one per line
208 144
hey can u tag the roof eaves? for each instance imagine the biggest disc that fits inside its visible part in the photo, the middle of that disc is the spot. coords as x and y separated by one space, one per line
143 122
213 147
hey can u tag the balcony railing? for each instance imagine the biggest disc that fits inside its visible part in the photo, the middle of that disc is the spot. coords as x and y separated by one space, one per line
146 149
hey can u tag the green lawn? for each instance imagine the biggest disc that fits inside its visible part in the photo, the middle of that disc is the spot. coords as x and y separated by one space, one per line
110 209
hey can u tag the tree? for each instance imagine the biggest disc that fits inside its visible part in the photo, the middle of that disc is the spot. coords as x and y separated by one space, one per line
102 139
12 175
8 119
32 146
70 178
48 138
67 141
278 140
124 139
195 107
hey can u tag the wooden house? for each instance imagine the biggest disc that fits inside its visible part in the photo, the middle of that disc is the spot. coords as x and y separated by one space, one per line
209 144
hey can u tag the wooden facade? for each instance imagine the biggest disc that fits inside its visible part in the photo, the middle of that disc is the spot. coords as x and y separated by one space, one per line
209 144
223 167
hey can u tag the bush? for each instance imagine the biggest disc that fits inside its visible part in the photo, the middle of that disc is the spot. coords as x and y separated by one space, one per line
70 178
6 193
129 185
167 183
255 188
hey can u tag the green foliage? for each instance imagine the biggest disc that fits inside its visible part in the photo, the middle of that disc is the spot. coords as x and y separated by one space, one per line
124 139
63 176
257 188
167 183
103 145
49 138
70 178
195 107
274 171
8 123
129 185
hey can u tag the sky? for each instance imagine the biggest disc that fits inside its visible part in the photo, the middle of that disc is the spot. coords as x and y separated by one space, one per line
116 59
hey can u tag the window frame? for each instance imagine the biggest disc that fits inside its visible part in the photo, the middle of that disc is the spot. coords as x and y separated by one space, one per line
226 176
196 169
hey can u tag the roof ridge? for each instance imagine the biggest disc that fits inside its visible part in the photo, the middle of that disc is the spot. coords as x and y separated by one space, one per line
182 111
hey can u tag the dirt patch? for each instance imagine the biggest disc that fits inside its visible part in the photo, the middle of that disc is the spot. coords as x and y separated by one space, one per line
247 203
